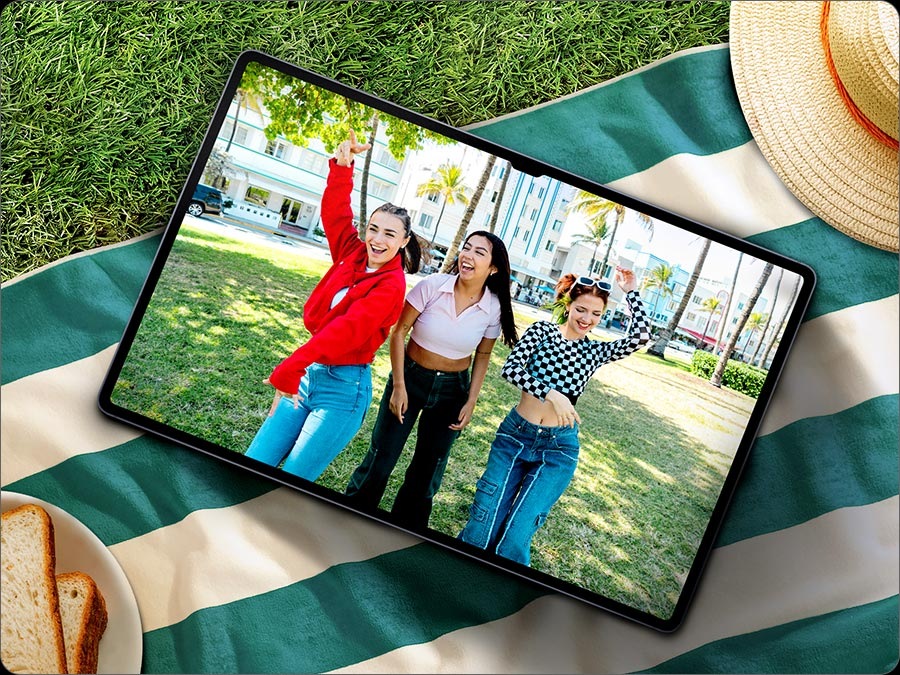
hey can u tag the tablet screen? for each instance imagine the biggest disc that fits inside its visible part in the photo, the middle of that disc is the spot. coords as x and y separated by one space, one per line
608 430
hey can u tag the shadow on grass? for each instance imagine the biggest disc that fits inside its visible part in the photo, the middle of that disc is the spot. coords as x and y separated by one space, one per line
218 322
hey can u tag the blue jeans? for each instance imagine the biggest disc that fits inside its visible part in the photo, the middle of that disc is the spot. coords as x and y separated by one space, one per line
333 403
528 469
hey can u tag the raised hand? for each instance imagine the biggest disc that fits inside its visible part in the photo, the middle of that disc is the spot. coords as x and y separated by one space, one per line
346 150
279 395
625 279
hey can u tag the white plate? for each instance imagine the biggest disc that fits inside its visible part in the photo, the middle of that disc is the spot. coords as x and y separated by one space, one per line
79 550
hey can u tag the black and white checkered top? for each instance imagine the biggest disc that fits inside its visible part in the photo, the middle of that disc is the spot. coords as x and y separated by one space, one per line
543 359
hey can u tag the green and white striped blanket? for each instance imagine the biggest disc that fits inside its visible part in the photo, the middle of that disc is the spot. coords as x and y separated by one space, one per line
234 574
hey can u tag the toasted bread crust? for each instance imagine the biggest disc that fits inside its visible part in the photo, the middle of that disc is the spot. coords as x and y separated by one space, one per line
93 619
47 582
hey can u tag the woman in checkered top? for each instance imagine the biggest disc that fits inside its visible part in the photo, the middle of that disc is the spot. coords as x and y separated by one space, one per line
535 453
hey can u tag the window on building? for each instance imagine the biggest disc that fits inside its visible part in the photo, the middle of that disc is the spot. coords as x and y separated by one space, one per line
494 197
550 245
696 299
240 136
380 189
533 215
313 162
277 149
540 193
257 196
425 221
502 171
385 158
227 128
557 225
525 235
487 220
691 316
433 197
516 232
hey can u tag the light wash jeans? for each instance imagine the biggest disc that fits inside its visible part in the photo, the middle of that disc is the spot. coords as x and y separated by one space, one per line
333 403
528 469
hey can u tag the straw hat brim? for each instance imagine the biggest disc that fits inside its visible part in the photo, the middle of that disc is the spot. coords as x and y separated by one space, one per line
802 126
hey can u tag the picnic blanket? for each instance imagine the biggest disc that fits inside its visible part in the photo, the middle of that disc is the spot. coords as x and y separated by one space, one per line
235 574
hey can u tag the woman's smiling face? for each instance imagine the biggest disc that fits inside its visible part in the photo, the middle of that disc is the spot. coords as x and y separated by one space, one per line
385 234
584 313
475 258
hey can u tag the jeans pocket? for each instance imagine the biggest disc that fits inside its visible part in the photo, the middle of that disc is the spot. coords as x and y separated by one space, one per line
485 486
477 513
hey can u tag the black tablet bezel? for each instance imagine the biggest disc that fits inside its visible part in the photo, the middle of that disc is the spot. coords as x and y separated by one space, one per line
525 164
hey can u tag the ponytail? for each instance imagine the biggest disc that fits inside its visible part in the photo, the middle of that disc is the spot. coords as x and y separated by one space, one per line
411 254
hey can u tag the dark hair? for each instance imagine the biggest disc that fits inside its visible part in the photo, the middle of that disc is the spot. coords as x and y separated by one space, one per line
569 287
411 254
498 283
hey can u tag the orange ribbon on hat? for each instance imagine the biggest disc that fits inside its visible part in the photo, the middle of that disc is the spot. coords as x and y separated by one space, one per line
873 129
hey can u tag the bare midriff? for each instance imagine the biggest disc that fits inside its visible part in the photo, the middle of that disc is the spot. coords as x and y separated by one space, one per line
537 411
433 361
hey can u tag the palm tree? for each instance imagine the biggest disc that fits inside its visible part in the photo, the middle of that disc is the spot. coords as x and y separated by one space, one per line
447 183
769 317
754 323
658 348
773 338
727 311
364 183
597 232
467 216
716 379
496 214
712 305
596 209
658 280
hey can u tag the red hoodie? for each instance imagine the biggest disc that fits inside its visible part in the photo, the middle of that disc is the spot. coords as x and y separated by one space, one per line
351 332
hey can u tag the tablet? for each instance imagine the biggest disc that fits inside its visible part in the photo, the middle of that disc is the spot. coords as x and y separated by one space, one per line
453 338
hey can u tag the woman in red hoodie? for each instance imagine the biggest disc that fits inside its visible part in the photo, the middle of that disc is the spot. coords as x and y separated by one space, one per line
323 390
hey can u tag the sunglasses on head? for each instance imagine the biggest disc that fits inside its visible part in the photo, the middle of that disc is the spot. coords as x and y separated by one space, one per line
588 281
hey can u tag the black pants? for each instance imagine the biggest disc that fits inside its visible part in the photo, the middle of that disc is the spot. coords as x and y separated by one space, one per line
439 397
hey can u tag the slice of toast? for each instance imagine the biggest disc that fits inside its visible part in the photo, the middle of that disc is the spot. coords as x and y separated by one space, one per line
83 612
32 635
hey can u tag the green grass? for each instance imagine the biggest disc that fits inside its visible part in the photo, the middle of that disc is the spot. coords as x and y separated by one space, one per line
656 441
105 104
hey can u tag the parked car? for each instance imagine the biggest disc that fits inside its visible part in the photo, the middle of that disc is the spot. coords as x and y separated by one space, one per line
681 347
206 199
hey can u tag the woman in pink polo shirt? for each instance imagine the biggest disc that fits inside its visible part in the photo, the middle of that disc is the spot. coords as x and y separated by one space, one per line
451 316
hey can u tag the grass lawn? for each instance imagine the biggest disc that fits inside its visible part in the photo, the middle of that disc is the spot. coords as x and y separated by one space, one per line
656 440
105 104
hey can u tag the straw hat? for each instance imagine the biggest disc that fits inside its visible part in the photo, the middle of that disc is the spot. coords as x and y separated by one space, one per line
817 82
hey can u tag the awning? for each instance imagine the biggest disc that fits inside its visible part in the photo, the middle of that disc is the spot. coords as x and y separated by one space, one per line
546 289
709 339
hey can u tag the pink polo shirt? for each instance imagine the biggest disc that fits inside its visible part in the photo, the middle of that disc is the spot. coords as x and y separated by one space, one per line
438 329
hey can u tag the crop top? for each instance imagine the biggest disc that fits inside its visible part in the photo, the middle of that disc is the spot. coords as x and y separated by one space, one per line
543 359
438 329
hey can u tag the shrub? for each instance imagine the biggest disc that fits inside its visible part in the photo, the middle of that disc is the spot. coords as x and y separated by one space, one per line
738 376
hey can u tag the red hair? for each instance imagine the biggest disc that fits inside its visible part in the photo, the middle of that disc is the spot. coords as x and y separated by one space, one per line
567 286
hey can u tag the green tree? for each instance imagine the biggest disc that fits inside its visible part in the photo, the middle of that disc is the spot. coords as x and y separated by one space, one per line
727 311
597 209
716 379
597 233
467 216
769 316
658 348
711 305
776 334
658 280
448 184
754 323
299 111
